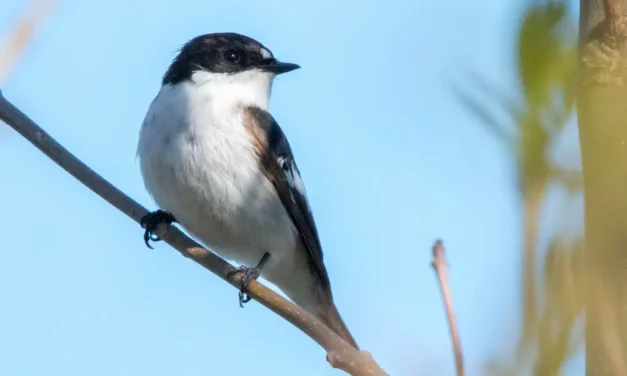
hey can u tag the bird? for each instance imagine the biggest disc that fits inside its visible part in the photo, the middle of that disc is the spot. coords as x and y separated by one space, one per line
216 162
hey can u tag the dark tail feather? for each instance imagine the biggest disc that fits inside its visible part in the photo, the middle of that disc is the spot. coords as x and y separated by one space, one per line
328 313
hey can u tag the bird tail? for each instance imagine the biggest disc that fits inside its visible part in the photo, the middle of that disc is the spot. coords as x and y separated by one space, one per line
327 312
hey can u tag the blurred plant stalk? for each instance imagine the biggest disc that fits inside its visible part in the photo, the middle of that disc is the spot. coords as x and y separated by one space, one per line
552 288
602 115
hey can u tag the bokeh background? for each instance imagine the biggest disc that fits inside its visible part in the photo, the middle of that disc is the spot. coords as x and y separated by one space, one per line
409 121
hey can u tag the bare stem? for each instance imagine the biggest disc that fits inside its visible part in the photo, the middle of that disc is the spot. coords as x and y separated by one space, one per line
340 354
440 265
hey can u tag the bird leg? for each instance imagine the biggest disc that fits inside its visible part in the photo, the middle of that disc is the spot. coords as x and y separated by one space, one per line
249 275
150 222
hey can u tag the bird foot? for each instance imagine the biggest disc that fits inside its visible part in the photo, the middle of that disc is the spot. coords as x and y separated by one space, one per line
249 274
150 222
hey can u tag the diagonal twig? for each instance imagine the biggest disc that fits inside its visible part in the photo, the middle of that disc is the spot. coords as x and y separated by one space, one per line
440 265
340 354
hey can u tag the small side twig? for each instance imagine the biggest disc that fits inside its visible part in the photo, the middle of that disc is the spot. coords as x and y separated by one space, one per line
340 354
440 265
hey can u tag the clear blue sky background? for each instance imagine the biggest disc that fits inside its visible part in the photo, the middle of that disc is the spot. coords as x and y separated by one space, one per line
391 161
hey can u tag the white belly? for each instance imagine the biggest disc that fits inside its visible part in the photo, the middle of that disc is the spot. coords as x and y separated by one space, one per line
201 167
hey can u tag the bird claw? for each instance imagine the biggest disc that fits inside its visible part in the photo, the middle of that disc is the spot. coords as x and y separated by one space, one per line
249 275
150 222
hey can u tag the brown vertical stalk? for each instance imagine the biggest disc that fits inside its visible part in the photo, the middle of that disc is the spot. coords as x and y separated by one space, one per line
440 265
602 112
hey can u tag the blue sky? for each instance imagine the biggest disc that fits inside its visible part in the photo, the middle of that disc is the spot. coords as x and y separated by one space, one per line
390 159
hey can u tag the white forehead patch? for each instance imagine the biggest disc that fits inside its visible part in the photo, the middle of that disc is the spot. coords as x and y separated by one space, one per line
265 54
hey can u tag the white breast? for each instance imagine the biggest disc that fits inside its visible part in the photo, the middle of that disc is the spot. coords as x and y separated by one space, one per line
197 162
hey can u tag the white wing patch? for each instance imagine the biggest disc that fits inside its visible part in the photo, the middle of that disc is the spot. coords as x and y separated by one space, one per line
292 175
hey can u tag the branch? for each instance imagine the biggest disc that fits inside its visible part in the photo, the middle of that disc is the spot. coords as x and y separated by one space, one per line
440 266
340 354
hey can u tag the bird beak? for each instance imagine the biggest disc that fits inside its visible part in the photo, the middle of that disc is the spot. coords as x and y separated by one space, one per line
276 67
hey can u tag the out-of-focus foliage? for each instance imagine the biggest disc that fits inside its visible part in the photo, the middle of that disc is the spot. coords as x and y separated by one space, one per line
552 277
17 39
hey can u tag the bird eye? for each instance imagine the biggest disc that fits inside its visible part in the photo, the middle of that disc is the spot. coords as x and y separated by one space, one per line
231 56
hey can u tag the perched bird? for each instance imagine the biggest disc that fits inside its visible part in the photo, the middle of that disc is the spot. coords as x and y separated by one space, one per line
216 162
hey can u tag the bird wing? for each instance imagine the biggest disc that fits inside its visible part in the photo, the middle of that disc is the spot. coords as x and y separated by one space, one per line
279 166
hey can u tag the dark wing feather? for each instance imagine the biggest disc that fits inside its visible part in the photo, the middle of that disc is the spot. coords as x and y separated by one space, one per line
280 167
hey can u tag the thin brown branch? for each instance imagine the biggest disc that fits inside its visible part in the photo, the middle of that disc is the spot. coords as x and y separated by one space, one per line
440 265
339 353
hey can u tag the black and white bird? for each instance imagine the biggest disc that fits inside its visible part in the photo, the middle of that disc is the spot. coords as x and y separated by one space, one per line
216 162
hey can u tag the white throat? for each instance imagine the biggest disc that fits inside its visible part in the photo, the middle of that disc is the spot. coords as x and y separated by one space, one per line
249 88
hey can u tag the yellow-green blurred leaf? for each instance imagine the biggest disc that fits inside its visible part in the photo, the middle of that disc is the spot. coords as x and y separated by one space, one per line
538 46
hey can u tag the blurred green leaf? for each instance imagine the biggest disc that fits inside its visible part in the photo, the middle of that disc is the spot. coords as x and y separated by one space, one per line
551 294
491 123
570 180
508 104
538 47
562 304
